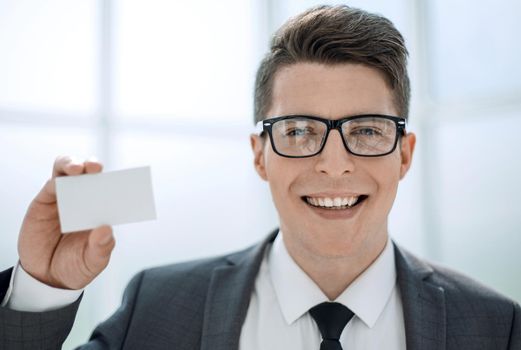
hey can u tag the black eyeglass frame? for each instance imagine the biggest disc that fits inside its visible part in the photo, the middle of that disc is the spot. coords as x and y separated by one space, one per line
400 123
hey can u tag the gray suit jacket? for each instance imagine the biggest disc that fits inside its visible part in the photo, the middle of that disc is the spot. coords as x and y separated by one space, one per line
203 304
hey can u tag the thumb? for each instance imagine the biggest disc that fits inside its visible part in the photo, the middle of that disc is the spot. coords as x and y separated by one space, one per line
100 244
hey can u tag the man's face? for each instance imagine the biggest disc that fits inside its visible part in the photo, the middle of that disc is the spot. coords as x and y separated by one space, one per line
332 92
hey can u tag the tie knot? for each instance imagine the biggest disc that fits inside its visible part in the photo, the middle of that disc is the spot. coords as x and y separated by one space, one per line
331 319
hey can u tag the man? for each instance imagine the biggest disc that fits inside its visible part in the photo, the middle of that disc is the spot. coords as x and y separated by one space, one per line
332 97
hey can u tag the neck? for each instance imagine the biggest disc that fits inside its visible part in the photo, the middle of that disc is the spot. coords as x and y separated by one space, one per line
334 274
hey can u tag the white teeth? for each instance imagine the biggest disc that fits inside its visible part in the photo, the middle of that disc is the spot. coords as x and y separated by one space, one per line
351 200
336 202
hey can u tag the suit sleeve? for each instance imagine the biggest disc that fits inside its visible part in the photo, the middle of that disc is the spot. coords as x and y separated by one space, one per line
33 330
48 330
515 334
5 280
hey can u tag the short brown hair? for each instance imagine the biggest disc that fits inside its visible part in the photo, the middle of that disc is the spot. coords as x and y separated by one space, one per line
336 35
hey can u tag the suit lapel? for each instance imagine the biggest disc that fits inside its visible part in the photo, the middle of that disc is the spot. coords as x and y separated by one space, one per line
423 304
228 298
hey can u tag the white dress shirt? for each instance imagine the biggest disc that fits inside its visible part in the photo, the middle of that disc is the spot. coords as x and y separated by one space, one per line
26 293
277 317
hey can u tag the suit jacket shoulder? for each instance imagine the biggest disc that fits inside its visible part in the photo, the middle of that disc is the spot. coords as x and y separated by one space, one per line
195 305
445 309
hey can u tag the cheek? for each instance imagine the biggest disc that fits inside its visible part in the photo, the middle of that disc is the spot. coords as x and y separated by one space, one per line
391 188
280 173
387 180
288 178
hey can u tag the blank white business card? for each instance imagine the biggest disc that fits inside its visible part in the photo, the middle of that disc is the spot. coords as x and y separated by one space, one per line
111 198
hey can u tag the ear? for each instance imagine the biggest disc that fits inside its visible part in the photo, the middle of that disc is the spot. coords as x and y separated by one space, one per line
257 146
407 149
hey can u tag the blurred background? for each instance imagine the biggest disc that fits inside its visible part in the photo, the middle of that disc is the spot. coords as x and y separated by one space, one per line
169 84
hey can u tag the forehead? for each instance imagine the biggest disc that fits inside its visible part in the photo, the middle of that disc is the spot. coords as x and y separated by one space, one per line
330 91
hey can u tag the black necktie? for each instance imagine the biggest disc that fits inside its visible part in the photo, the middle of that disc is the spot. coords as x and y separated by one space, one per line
331 319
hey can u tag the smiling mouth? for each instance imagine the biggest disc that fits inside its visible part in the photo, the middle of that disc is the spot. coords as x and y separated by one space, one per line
337 203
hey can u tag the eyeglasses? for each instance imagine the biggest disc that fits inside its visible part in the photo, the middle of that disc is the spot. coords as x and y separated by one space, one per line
300 136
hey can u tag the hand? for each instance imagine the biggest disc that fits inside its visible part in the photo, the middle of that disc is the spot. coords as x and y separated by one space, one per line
68 261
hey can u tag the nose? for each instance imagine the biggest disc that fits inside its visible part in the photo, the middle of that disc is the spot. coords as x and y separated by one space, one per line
335 160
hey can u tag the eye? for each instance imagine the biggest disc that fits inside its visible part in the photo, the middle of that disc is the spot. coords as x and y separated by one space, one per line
299 132
366 131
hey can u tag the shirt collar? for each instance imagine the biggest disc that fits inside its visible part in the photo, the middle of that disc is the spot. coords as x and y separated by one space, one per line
296 292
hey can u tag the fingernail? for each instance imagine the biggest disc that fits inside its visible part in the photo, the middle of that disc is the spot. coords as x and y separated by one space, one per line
105 240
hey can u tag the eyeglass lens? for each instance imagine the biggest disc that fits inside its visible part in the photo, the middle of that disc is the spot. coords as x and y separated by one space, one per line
301 136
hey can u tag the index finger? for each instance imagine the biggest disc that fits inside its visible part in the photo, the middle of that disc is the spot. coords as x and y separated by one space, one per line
67 165
92 165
